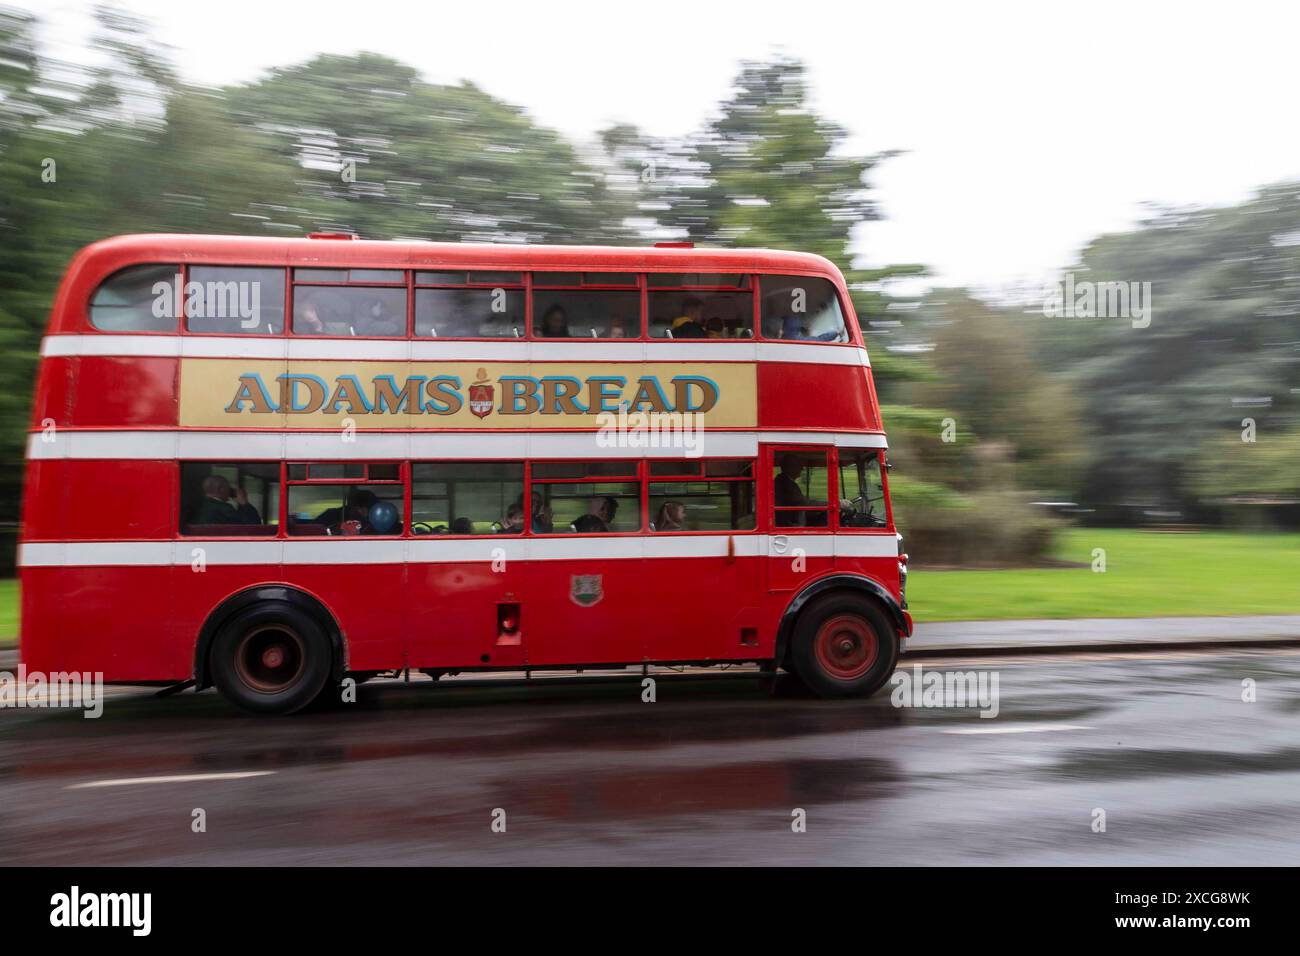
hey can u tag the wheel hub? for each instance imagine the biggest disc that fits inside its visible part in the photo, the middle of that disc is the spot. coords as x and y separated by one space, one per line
846 647
271 659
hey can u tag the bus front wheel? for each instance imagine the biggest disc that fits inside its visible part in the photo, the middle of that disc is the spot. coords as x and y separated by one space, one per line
271 658
844 646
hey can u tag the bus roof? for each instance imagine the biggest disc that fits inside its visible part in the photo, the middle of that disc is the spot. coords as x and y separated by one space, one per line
109 255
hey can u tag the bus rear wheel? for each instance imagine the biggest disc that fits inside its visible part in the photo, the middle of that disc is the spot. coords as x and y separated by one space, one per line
844 646
271 658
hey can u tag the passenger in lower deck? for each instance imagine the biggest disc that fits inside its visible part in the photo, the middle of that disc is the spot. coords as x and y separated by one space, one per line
215 508
671 517
514 520
588 524
363 512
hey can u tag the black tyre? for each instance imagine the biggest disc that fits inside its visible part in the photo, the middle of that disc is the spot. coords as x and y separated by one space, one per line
844 646
271 658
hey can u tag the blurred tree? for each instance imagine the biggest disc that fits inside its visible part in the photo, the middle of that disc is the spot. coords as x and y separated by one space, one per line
1254 484
387 155
1221 346
767 171
989 378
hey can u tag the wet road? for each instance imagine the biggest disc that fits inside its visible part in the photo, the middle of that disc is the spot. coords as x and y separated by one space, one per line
585 772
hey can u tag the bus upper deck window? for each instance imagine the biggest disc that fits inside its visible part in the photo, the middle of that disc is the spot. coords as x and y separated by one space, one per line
235 300
362 311
692 306
801 309
586 313
469 305
138 299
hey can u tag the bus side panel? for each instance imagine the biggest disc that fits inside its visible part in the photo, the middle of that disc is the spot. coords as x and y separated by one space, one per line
453 608
591 610
85 499
112 620
55 386
124 392
44 501
706 609
831 397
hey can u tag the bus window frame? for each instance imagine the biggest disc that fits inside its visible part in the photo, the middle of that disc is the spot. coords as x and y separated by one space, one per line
764 502
755 303
832 491
639 480
583 286
702 476
180 522
888 527
845 303
178 307
524 287
253 336
403 480
529 289
409 522
291 308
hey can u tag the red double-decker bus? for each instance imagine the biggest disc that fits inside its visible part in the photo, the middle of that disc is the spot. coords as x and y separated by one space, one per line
266 464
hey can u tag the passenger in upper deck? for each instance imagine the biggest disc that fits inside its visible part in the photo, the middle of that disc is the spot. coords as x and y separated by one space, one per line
690 324
555 323
308 321
793 328
380 321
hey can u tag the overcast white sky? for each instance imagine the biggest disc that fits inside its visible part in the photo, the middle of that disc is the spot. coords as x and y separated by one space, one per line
1028 128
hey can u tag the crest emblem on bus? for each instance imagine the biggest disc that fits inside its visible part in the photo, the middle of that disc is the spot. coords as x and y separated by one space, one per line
586 589
480 395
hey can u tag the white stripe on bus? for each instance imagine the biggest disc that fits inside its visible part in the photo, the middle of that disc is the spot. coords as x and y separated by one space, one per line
431 550
171 778
197 445
433 350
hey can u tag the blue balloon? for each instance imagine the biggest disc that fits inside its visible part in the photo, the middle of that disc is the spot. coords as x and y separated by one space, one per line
383 517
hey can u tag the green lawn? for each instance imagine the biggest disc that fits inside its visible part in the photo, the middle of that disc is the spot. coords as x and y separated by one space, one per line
1147 574
8 613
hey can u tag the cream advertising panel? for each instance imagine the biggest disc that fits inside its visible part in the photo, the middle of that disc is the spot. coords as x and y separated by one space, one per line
237 393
